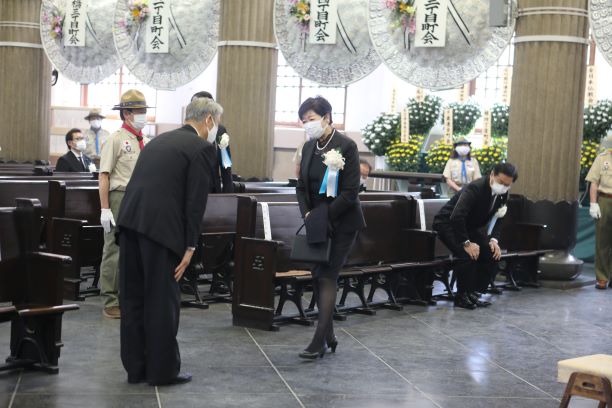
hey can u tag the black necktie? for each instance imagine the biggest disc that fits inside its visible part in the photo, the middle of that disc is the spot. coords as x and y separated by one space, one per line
82 163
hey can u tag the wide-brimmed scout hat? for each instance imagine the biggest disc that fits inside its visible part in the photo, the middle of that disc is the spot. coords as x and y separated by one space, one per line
461 140
132 99
95 113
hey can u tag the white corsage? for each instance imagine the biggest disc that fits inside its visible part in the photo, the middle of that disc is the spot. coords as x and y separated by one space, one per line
335 162
501 213
226 160
224 142
92 168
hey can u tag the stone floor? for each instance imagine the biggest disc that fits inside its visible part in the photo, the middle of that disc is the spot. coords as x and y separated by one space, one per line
502 356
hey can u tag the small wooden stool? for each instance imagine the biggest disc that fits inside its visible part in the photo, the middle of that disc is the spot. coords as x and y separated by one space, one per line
587 377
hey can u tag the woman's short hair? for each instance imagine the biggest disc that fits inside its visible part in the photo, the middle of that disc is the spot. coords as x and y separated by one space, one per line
200 108
318 105
70 135
202 94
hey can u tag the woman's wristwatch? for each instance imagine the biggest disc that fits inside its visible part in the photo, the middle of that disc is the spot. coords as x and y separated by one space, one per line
466 243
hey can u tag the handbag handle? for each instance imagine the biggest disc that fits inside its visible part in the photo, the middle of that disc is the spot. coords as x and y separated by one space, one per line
299 229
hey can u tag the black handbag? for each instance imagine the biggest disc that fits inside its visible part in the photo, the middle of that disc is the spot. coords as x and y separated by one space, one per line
302 251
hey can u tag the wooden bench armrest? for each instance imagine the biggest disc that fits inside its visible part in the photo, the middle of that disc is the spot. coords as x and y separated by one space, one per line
259 241
49 257
69 220
7 313
216 234
47 310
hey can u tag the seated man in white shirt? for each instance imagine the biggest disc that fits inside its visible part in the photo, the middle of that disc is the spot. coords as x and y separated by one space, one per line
75 160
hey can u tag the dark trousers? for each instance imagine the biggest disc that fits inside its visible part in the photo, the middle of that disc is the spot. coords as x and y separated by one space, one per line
471 275
150 305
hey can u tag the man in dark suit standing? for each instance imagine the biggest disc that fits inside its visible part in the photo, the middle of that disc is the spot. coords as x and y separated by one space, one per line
222 167
462 226
75 160
159 224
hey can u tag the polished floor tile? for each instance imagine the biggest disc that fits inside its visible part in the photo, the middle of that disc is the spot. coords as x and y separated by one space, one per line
502 356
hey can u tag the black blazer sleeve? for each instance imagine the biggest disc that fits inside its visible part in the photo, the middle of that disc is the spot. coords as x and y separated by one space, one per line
196 194
458 218
300 188
63 165
349 183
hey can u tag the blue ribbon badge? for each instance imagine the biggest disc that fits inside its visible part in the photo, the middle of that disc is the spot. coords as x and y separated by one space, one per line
226 161
329 185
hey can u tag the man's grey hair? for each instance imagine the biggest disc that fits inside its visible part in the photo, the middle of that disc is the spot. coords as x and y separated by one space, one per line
200 108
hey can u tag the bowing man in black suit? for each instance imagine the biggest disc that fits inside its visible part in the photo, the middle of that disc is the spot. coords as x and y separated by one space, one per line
159 224
75 160
462 226
222 169
339 212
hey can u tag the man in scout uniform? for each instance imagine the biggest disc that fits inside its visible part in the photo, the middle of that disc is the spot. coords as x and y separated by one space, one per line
600 177
95 136
117 161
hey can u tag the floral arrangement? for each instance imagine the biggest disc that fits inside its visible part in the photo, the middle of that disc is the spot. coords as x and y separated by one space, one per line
403 14
224 142
55 21
300 10
139 10
501 213
597 120
423 115
438 155
465 116
500 116
381 133
334 160
588 153
406 156
488 157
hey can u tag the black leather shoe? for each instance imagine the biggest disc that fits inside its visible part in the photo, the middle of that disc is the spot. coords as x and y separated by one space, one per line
181 378
464 302
479 303
312 355
495 291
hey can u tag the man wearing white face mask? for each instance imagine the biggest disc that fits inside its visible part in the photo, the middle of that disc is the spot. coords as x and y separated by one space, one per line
461 168
461 226
117 162
95 136
75 160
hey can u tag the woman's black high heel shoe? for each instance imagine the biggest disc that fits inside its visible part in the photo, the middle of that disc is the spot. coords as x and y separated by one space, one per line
332 344
312 355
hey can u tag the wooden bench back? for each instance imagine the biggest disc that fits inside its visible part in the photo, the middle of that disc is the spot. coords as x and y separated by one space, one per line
426 211
74 199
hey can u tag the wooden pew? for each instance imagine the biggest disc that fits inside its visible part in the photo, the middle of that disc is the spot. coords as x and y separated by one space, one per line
264 264
73 229
32 282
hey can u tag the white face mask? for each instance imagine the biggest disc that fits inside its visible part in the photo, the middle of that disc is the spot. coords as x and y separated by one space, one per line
140 120
95 124
462 150
212 133
498 188
80 145
314 129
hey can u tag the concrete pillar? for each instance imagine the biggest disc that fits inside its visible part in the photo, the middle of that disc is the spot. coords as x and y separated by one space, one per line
246 83
548 85
25 82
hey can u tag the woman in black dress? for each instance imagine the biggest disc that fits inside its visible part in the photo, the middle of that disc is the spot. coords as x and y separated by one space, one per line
339 202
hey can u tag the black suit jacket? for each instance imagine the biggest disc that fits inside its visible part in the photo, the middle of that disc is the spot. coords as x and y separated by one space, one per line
166 196
222 182
470 210
69 162
345 212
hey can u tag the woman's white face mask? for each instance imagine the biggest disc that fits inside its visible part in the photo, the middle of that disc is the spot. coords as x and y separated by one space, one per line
462 150
314 129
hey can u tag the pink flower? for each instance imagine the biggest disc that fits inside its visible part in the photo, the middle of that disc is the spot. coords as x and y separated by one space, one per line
412 25
390 4
306 17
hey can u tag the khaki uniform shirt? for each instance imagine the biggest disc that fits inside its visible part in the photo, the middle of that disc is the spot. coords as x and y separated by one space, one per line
601 172
118 158
452 170
90 138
